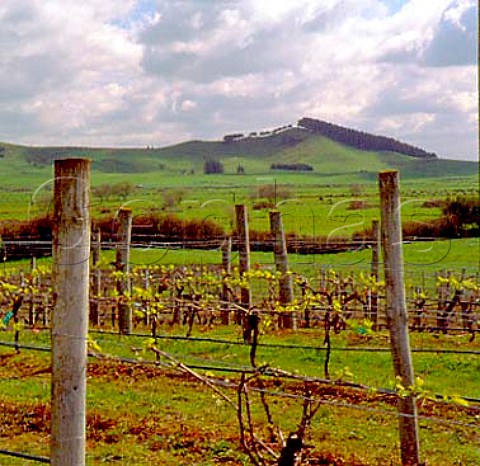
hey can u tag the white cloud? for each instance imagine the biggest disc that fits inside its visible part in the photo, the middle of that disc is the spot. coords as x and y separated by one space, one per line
137 72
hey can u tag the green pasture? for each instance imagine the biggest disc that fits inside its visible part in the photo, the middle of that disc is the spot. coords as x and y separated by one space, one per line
324 193
453 255
310 210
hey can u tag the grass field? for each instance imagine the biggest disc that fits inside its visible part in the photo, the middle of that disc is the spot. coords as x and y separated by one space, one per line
141 415
427 257
26 173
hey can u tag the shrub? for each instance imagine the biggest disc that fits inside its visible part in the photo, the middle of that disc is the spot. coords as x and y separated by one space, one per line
291 167
211 167
272 192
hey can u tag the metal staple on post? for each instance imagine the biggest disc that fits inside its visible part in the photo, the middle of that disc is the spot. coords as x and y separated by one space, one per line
71 251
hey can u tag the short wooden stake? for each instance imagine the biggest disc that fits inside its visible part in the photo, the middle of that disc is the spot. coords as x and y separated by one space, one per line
124 234
33 283
281 265
71 252
397 318
241 214
375 271
97 279
227 270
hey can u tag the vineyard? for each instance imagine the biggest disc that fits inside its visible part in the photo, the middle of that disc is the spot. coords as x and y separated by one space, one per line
182 297
191 318
233 360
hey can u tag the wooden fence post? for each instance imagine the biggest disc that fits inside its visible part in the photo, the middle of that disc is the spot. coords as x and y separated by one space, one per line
397 313
96 246
124 234
227 270
146 285
288 320
97 279
375 271
241 215
33 283
71 252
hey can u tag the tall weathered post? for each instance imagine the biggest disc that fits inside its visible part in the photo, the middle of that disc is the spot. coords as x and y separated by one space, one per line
288 320
124 234
241 215
396 310
71 252
375 266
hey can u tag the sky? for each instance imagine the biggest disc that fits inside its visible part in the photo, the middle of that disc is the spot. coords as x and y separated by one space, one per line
154 72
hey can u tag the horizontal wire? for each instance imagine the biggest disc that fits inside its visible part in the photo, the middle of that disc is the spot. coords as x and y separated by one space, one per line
25 456
271 372
330 403
281 345
262 345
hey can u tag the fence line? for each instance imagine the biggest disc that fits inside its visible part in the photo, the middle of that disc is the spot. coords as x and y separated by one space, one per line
286 346
267 372
272 345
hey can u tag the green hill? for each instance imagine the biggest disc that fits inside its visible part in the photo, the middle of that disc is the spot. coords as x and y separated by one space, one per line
255 153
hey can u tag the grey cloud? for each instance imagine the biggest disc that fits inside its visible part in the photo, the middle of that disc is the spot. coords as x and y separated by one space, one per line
229 60
400 57
177 21
25 69
15 123
450 46
265 49
449 135
326 18
28 76
453 46
392 102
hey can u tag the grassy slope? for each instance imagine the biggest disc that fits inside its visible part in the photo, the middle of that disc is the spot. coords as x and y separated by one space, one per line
256 155
337 167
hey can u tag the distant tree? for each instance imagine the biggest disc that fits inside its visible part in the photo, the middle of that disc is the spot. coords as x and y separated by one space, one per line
463 214
172 197
212 167
273 192
232 137
356 190
120 190
361 140
291 166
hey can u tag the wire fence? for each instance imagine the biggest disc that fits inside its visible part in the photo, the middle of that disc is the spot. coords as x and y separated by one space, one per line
216 365
204 294
451 310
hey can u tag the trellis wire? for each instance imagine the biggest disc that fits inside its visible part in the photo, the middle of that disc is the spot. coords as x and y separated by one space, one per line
25 456
267 371
269 345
